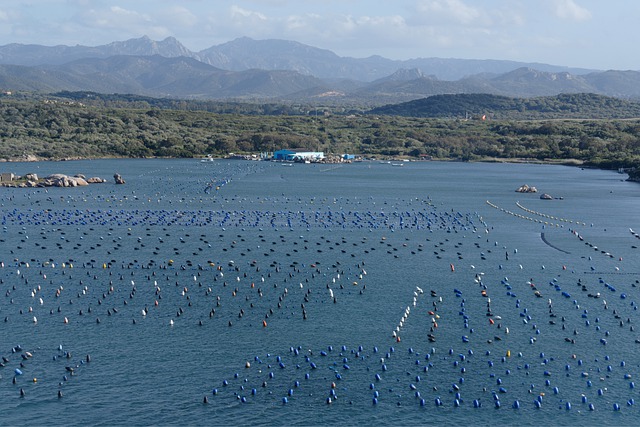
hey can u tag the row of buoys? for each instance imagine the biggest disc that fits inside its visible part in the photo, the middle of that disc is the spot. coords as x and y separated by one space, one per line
548 216
591 245
517 215
396 332
397 220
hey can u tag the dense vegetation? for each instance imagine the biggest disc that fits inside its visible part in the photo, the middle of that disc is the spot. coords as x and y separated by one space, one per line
64 129
566 106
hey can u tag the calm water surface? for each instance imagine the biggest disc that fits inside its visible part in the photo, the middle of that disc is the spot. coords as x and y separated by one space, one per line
430 293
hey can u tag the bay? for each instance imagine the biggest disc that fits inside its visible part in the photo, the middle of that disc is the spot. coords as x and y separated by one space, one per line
360 285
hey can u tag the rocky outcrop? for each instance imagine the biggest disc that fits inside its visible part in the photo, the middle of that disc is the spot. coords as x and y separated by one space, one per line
31 180
96 180
60 180
526 189
546 196
118 178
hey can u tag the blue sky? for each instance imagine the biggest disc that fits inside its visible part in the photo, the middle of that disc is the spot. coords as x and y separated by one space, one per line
594 34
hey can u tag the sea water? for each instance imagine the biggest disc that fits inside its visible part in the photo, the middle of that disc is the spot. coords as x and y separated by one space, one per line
237 293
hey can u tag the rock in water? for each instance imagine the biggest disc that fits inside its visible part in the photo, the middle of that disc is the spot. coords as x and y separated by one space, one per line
118 178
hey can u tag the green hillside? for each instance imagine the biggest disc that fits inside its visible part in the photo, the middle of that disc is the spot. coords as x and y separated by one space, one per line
563 106
63 128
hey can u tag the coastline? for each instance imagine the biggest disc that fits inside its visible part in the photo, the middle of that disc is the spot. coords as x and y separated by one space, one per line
633 175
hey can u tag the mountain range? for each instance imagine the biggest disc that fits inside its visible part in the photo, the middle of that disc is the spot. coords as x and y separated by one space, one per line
286 71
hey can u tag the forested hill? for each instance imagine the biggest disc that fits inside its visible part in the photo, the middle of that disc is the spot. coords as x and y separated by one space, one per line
563 106
59 128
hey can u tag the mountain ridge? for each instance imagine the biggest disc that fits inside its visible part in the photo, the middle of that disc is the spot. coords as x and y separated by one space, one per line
269 54
283 70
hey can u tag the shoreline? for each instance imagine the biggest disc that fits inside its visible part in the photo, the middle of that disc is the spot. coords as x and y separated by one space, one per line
556 162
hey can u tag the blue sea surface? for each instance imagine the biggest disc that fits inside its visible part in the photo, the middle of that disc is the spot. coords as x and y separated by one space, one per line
258 293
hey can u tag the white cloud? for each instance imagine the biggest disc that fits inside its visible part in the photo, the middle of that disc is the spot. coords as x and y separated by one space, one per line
244 14
114 17
121 23
448 11
570 10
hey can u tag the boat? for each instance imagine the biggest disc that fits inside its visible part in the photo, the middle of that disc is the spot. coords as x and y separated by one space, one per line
209 158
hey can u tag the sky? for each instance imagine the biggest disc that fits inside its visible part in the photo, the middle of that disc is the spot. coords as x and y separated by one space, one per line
594 34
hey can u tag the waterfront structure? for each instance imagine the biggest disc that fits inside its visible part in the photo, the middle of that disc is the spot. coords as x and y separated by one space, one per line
294 155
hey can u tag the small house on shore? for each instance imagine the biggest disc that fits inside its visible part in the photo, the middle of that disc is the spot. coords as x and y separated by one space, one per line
7 177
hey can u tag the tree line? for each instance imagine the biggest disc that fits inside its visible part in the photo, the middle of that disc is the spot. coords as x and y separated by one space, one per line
59 128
